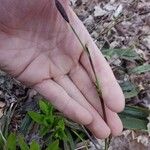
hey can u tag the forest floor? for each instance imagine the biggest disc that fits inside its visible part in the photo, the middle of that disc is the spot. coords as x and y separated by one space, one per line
113 25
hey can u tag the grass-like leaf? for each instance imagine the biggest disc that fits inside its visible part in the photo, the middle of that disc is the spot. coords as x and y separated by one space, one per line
127 54
135 118
54 146
38 118
22 143
129 89
2 140
34 146
25 124
11 142
45 107
140 69
70 141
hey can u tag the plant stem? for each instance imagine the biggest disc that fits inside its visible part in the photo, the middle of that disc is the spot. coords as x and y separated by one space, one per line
85 143
96 83
107 142
3 138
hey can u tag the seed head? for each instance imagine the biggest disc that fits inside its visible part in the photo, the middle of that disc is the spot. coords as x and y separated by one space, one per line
61 10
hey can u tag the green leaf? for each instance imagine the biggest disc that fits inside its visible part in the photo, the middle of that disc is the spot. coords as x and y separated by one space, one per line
70 140
44 130
49 120
25 124
34 146
133 123
80 137
53 146
60 134
129 89
22 143
5 121
60 129
130 94
61 124
39 118
127 86
44 107
135 118
11 142
140 69
2 140
127 54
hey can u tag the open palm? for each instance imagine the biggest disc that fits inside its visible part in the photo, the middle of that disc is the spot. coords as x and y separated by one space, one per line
38 48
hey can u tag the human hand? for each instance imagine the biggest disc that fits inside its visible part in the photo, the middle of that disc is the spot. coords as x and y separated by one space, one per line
39 49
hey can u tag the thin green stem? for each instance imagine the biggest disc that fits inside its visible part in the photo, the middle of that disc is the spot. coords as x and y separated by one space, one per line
97 84
77 36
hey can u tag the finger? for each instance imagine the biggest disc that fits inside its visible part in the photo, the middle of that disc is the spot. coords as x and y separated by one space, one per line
83 82
114 122
98 127
111 91
63 102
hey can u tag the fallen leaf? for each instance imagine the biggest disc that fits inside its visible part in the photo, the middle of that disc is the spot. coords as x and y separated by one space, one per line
99 11
118 11
140 69
2 104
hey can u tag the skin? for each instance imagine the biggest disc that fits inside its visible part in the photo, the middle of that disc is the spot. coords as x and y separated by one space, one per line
38 48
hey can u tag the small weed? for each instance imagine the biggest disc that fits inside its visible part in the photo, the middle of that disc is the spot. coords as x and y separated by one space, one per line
51 129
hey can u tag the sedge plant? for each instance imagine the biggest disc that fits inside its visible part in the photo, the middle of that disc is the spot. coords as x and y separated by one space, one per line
85 48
